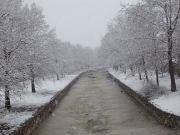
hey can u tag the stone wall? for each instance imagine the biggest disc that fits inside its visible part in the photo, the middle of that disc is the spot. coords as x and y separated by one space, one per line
28 127
165 118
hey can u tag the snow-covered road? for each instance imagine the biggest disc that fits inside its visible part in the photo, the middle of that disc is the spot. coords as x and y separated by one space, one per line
96 105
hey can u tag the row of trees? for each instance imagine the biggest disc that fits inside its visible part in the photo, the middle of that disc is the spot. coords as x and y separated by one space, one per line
144 37
30 50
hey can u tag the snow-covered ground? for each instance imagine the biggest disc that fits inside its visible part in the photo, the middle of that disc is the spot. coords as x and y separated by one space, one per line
169 102
23 108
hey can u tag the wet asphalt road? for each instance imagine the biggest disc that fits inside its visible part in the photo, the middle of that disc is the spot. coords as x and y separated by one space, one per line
96 105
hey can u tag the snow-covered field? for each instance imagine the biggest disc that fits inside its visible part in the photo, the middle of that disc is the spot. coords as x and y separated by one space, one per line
23 108
169 102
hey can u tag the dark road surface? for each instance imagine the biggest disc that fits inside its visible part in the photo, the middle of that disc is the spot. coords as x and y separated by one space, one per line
95 105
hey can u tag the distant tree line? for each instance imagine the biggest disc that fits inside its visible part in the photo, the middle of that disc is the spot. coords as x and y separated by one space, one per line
144 37
30 50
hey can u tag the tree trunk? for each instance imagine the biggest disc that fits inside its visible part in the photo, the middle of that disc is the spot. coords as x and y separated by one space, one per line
57 76
132 71
171 72
124 70
157 77
7 98
162 72
146 74
145 70
171 68
33 86
140 78
32 81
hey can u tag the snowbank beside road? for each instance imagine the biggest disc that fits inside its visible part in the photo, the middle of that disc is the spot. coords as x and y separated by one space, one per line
170 102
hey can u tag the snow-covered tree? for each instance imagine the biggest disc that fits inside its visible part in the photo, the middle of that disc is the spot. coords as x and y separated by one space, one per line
12 45
145 36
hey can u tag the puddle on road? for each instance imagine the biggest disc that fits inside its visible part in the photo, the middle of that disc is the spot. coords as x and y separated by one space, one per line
92 77
98 125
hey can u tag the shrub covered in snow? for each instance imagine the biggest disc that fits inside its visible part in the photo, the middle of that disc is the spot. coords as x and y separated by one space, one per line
151 91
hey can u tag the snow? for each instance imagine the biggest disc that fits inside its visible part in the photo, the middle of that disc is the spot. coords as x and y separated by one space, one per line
14 119
24 108
132 82
170 102
43 93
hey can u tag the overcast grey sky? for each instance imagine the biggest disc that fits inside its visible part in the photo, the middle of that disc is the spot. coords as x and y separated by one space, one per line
80 21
